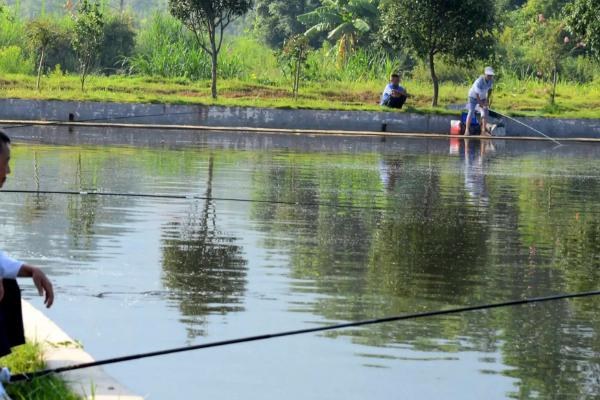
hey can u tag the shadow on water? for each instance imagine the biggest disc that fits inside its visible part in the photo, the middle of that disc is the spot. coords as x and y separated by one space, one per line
203 268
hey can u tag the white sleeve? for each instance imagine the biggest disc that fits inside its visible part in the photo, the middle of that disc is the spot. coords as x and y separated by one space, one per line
9 267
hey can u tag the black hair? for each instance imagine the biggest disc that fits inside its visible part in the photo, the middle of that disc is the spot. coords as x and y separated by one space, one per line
4 140
394 76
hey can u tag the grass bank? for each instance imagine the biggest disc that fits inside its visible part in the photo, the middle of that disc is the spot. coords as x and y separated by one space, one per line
518 98
29 358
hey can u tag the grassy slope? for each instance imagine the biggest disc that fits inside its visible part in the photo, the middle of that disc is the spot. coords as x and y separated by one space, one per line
28 358
516 98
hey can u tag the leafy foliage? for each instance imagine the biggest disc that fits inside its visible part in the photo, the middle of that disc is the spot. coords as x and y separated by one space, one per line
166 49
207 20
41 33
13 61
87 36
583 20
118 42
293 57
457 29
277 20
344 21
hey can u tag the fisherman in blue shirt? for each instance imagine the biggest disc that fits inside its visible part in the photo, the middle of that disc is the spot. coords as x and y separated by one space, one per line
394 95
479 100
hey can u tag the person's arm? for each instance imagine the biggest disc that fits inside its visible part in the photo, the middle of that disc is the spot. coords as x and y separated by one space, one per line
386 95
41 282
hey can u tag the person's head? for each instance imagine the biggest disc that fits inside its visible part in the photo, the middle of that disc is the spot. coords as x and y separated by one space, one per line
4 157
395 79
489 73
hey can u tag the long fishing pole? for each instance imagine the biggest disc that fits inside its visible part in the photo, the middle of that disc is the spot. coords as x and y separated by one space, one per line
513 303
191 197
528 126
114 118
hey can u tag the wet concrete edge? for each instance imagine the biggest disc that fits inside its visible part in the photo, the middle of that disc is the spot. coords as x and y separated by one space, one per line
61 350
203 115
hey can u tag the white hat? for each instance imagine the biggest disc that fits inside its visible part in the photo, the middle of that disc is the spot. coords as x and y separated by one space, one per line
489 71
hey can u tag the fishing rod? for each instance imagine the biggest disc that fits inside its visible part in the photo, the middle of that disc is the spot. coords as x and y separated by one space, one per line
120 117
528 126
192 197
427 314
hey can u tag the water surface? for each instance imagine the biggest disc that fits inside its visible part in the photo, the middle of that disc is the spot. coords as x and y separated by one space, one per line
330 230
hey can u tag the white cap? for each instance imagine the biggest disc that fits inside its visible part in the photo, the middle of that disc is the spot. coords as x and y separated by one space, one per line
489 71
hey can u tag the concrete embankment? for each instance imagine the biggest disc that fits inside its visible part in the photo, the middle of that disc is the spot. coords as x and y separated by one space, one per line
60 350
216 116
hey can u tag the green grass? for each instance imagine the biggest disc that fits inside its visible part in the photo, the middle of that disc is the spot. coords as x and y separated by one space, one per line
28 358
521 98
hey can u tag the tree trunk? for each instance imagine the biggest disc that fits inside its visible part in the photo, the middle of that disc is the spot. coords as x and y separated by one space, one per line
83 76
214 61
554 83
39 72
434 79
297 79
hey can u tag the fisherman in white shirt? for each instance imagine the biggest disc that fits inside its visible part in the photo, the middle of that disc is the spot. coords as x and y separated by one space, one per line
11 318
479 99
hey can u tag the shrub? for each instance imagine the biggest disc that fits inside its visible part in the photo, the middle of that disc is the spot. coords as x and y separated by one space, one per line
12 30
165 48
448 72
13 61
118 43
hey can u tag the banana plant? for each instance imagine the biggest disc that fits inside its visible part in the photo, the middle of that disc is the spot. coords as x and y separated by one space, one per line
344 21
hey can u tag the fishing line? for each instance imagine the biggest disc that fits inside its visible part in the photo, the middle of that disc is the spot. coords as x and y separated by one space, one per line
529 127
513 303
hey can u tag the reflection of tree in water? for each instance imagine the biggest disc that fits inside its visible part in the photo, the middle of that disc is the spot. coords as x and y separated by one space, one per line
82 211
35 205
203 266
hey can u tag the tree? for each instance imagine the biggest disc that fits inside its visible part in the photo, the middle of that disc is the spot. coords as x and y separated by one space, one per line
41 34
583 20
277 20
294 55
207 20
548 47
456 29
345 22
87 36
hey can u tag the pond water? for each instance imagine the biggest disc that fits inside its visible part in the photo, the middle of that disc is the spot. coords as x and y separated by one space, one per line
330 230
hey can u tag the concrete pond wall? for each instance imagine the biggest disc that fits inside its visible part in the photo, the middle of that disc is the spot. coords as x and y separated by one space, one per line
166 114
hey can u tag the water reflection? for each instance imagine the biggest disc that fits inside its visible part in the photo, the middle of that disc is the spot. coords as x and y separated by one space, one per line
447 236
435 230
475 157
203 267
